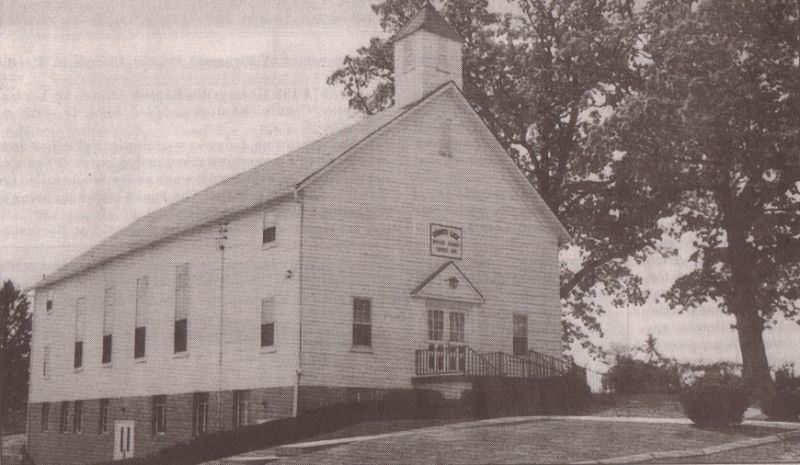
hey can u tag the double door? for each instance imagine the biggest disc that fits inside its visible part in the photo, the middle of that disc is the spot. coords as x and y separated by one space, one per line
123 439
446 339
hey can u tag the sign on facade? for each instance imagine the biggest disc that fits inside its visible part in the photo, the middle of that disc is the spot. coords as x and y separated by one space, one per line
446 241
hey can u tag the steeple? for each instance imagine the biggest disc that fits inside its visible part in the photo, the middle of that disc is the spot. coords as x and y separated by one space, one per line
427 54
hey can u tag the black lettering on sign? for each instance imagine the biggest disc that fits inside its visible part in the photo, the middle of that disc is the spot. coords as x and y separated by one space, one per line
446 241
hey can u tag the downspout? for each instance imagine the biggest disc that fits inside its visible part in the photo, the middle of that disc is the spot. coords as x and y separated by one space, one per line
223 231
296 403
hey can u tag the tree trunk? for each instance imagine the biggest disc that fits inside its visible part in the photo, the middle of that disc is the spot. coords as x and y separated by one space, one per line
755 367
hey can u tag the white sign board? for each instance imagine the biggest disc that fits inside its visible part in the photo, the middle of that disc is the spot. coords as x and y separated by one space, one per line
446 241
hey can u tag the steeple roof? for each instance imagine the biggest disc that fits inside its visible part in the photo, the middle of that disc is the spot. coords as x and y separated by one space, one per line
430 20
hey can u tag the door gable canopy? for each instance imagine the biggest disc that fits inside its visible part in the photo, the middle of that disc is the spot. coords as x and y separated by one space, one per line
449 283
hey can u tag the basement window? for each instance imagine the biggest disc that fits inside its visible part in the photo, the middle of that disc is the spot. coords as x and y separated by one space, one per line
63 420
159 414
77 417
103 420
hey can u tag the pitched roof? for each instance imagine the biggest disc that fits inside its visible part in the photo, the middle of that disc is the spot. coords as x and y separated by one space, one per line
444 283
430 20
254 187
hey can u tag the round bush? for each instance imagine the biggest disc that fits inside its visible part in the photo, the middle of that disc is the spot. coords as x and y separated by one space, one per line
782 405
716 401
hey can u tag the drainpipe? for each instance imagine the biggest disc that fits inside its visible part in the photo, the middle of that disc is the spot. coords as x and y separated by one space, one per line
295 405
223 231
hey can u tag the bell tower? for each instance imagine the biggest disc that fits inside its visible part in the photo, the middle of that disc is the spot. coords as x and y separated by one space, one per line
427 54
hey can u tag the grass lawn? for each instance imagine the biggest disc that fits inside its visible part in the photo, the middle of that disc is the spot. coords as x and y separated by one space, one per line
641 405
540 441
771 453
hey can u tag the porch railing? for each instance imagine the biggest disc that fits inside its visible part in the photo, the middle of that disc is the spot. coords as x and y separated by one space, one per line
466 361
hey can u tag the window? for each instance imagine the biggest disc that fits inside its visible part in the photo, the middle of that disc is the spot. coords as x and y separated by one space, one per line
77 417
103 426
63 420
182 296
159 414
200 413
446 141
268 235
520 335
268 322
49 303
140 325
435 325
80 331
45 417
108 324
139 338
78 357
456 327
241 401
362 322
46 361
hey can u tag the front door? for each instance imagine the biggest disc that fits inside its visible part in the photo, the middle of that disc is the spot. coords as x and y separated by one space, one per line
446 339
123 439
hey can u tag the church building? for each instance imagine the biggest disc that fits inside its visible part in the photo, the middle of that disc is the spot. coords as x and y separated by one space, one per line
402 252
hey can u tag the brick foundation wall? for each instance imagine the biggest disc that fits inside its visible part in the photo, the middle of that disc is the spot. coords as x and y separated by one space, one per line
91 446
313 397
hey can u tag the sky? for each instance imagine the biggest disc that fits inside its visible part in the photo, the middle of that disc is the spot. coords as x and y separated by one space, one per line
112 109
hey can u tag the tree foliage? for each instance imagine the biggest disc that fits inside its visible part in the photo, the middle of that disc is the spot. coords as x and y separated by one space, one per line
542 78
15 334
715 130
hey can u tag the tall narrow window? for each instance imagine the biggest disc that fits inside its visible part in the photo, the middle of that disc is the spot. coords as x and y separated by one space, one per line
80 331
435 325
268 322
108 324
140 325
46 361
200 413
456 327
182 302
520 335
241 407
49 303
446 141
63 420
77 417
269 231
102 427
362 322
45 417
159 414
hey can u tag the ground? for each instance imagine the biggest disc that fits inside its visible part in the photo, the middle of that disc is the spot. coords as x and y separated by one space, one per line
537 441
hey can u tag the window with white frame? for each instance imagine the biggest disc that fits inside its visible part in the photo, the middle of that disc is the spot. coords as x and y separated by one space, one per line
109 302
77 417
520 342
80 331
269 231
140 324
102 427
456 327
435 325
199 413
159 414
362 322
241 407
268 322
63 420
182 302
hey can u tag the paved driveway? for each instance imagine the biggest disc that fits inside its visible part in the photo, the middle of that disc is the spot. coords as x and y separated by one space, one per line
538 441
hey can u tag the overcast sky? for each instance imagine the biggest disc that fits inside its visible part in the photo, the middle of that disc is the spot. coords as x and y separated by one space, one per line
111 109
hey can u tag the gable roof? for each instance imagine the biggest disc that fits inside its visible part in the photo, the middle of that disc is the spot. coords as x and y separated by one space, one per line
448 282
430 20
270 180
279 177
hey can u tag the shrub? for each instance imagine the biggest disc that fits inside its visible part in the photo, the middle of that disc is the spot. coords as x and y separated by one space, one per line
630 376
784 404
716 401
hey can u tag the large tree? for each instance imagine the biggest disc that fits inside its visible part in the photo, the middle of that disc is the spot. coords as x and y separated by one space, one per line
716 129
542 78
15 333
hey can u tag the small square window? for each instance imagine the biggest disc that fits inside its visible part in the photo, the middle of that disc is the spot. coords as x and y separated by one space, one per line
268 235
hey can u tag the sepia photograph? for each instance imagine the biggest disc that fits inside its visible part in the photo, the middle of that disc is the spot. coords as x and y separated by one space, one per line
246 232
